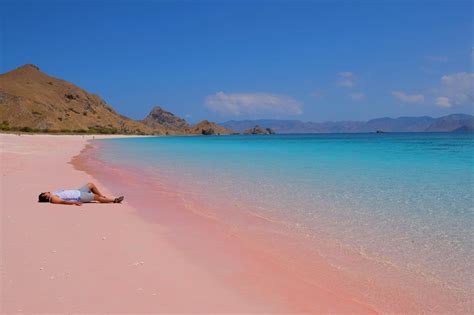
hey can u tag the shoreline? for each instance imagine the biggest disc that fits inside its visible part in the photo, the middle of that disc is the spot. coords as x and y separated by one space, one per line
246 255
364 277
259 269
101 258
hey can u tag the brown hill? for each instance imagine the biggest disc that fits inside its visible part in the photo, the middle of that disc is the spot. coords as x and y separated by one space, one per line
31 98
209 128
160 118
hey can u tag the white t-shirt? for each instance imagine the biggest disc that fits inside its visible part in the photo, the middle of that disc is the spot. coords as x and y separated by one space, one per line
68 194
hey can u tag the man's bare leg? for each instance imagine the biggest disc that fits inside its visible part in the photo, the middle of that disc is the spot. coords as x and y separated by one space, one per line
103 199
94 189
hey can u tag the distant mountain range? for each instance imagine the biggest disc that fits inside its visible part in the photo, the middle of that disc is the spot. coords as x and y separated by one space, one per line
449 123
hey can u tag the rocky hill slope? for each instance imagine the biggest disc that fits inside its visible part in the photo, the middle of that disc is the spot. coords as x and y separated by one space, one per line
160 118
29 98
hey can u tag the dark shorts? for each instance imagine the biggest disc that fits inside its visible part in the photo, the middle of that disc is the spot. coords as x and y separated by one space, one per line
86 194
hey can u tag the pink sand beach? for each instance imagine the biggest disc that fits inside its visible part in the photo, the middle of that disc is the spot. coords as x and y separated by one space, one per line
104 258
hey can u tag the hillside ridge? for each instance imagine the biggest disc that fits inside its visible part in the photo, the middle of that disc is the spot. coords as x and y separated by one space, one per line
32 99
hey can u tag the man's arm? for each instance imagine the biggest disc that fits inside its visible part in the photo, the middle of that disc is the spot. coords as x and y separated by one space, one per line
57 200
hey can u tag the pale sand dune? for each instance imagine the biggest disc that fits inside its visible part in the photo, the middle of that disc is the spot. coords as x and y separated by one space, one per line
98 257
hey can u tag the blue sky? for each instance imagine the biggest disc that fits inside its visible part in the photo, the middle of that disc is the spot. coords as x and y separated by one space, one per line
221 60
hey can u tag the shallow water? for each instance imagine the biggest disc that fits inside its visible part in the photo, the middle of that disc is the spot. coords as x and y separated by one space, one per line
404 202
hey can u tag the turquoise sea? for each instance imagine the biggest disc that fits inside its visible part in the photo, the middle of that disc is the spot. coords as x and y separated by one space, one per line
404 200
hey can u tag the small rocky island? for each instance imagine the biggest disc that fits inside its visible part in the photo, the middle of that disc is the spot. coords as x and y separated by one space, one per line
257 130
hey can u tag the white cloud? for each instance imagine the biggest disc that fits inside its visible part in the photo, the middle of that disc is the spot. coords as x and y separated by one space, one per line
316 94
443 101
438 58
346 74
456 89
346 83
347 79
405 98
252 103
357 96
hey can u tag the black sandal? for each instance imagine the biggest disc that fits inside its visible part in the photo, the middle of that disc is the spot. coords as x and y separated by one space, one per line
119 199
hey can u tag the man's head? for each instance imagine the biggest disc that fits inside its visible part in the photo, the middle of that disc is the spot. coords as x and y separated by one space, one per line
44 197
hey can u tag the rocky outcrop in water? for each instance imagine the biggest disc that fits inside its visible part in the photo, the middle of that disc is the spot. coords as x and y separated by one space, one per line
257 130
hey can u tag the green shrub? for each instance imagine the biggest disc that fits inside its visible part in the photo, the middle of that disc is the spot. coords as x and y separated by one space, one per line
80 131
5 125
103 130
26 129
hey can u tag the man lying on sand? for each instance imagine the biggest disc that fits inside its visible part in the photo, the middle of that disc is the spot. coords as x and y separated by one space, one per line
86 193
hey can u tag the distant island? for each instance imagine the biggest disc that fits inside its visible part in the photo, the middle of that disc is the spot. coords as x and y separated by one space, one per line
33 101
449 123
